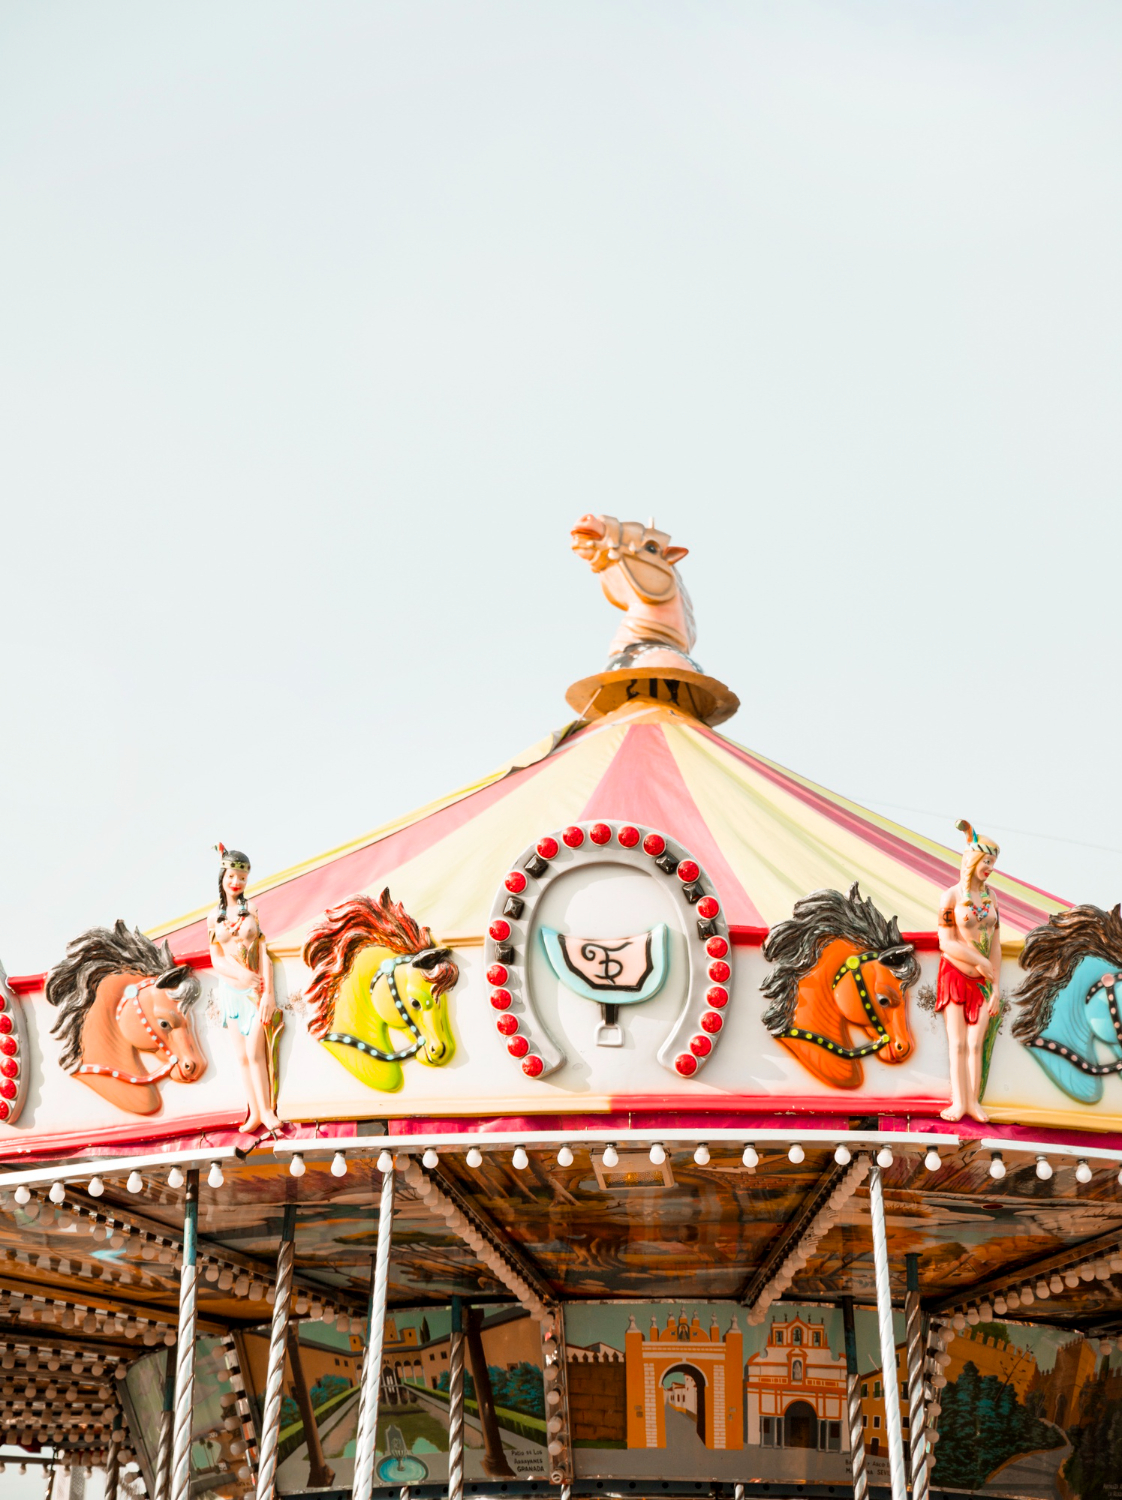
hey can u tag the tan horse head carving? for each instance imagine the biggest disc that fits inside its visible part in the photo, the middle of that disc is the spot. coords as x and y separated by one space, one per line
636 564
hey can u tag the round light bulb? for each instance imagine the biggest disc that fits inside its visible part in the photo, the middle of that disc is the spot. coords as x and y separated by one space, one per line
885 1157
933 1161
997 1166
385 1162
1042 1290
1083 1172
564 1157
658 1153
751 1157
701 1155
57 1193
135 1183
1043 1168
796 1153
1000 1305
338 1165
97 1187
1055 1284
520 1161
431 1158
611 1156
296 1165
214 1177
23 1193
475 1157
843 1156
175 1178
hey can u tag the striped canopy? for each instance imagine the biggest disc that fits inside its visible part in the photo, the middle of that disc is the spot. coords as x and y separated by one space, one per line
765 835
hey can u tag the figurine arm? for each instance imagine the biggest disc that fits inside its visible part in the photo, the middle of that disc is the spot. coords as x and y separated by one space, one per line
964 956
267 1005
229 968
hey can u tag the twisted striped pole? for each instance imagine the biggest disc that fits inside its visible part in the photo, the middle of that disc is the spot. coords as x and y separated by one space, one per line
113 1467
372 1369
185 1344
917 1413
456 1404
274 1377
162 1484
896 1470
853 1396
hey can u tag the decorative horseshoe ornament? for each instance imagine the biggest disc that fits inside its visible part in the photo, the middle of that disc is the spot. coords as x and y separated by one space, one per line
13 1053
697 1028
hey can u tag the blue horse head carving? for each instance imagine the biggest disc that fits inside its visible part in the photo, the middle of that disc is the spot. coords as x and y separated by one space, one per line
1068 1006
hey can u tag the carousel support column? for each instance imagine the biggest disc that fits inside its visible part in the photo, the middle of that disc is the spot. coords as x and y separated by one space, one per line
113 1467
853 1392
185 1344
274 1375
456 1403
915 1335
163 1447
889 1384
320 1476
494 1458
372 1369
360 1429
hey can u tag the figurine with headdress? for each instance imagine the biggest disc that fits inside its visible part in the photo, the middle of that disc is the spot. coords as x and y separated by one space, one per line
245 997
969 988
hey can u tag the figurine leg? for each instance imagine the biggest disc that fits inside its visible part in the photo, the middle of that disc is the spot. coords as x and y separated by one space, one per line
252 1120
955 1019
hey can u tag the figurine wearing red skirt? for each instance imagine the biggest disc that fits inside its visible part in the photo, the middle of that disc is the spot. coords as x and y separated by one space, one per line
969 989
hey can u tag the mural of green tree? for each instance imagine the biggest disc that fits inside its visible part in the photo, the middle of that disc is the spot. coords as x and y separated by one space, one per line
982 1426
1095 1464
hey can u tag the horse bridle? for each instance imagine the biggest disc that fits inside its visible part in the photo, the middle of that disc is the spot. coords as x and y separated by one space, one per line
428 958
854 965
132 992
1096 1070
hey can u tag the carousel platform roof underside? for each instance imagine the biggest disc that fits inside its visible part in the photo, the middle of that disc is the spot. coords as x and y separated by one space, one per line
713 1232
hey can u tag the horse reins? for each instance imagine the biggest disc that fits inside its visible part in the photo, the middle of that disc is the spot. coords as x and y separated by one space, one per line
431 956
1096 1070
132 992
853 965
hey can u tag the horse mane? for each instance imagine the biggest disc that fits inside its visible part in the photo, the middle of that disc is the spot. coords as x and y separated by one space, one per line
1050 955
334 944
101 951
795 946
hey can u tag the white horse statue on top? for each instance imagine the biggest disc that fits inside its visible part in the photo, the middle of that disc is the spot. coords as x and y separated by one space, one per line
637 573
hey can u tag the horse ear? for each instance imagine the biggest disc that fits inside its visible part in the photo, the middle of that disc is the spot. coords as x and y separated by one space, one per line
173 978
855 891
675 554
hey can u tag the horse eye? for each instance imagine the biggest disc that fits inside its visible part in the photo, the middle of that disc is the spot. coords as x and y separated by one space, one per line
652 547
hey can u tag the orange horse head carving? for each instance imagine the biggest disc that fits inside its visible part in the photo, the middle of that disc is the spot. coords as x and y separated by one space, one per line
839 987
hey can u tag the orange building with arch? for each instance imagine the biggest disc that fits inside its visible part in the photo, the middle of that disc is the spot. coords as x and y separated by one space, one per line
712 1368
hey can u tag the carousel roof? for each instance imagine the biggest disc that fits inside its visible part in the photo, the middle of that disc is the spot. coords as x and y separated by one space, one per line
766 835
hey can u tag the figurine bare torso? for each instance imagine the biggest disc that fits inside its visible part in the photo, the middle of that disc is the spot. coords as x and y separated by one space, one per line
238 938
968 920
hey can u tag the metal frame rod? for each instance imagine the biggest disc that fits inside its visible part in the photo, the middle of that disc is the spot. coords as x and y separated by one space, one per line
372 1369
185 1344
274 1376
859 1472
456 1403
915 1341
889 1384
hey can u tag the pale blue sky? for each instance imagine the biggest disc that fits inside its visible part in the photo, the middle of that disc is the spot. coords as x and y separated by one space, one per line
321 324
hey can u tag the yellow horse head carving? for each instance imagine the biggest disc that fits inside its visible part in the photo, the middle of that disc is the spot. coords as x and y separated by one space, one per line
377 990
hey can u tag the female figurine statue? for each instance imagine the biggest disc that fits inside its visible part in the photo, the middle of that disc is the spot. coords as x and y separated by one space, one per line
969 972
245 988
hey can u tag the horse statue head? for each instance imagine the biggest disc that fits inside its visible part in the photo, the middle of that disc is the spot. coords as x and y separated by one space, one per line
636 564
118 996
1068 1006
375 971
839 987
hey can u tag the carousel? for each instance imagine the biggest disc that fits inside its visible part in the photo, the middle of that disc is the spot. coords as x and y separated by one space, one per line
643 1119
